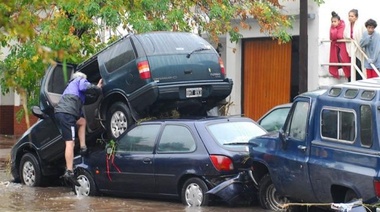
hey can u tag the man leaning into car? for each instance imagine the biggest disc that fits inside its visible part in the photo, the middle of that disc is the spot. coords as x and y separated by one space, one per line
68 112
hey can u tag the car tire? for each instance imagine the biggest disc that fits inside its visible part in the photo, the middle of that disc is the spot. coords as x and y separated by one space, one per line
87 182
118 119
268 196
194 192
30 171
350 196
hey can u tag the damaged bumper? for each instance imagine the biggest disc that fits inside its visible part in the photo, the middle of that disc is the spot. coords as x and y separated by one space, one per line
239 188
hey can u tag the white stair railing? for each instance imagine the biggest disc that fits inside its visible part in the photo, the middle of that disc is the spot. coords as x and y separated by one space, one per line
365 57
354 67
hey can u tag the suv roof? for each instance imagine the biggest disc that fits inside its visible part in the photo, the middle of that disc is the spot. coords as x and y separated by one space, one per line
174 42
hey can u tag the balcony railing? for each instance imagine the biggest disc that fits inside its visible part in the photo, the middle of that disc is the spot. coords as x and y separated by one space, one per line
353 65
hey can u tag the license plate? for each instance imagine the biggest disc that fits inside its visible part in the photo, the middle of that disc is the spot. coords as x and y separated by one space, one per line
193 92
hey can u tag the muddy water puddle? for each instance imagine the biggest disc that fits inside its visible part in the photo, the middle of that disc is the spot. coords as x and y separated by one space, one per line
18 197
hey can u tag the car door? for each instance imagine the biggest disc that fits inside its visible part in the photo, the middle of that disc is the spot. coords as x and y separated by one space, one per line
46 136
132 167
294 154
53 85
176 155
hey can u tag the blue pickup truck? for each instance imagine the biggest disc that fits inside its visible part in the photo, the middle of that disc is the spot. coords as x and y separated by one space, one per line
328 150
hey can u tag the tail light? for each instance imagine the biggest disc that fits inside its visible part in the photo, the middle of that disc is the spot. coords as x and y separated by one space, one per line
144 69
376 184
222 69
222 163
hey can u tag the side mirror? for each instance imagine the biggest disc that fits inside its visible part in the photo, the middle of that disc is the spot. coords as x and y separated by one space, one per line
38 113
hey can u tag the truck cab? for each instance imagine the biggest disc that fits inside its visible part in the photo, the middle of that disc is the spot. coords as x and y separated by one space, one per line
326 152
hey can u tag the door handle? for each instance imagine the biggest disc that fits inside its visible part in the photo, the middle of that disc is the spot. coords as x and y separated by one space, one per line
301 147
147 161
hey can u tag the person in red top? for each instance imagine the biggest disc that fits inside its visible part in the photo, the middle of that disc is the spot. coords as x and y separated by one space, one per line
338 51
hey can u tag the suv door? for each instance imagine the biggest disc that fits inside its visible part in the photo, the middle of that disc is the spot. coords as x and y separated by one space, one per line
46 136
53 85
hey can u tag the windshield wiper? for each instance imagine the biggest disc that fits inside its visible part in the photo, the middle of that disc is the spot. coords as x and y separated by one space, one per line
236 143
198 50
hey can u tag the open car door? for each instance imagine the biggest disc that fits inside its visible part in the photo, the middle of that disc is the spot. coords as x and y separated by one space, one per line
46 135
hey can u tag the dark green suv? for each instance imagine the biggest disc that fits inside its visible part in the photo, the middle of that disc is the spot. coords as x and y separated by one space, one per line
147 74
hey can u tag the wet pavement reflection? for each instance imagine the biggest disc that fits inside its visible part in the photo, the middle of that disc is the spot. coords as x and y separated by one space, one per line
18 197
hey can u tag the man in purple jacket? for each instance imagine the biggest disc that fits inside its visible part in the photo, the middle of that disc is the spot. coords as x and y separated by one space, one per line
68 113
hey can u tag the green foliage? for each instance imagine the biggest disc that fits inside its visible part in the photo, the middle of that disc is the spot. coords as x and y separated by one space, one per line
39 32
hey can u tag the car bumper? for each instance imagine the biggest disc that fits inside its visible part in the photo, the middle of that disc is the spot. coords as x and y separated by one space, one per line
156 93
235 189
210 90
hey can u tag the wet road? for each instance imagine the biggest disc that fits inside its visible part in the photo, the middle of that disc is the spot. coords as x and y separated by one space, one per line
17 197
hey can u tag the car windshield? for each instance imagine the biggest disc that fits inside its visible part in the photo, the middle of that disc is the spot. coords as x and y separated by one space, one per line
230 133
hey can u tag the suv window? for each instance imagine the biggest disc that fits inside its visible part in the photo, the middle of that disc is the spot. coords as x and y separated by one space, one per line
139 139
298 123
366 125
58 80
120 55
183 141
338 124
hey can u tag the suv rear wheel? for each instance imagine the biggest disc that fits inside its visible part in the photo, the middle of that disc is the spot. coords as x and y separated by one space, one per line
118 119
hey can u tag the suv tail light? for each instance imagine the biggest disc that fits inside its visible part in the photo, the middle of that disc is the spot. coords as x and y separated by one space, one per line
376 184
222 163
144 69
222 70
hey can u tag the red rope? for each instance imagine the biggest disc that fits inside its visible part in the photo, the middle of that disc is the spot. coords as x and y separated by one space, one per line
108 166
113 163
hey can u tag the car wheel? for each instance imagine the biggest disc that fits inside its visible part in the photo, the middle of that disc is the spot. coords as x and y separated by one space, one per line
118 119
268 196
350 196
30 171
194 192
87 184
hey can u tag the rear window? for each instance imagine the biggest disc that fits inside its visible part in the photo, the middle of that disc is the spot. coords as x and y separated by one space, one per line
172 43
235 132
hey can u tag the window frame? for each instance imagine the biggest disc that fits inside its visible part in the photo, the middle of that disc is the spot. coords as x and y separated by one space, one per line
289 123
371 126
119 140
176 152
339 110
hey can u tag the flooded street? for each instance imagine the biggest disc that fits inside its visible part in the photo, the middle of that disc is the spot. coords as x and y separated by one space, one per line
18 197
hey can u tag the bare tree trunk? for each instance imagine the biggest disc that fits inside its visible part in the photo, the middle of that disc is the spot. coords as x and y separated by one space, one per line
25 107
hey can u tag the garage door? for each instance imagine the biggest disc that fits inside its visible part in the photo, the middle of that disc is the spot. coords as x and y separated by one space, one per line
266 75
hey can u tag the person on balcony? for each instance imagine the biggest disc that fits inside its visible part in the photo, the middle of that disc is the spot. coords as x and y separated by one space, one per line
338 51
354 31
370 42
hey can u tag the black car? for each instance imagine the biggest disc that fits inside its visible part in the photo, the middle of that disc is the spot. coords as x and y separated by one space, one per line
143 76
179 158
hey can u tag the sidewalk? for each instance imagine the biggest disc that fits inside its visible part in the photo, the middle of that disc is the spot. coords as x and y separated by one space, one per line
6 143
